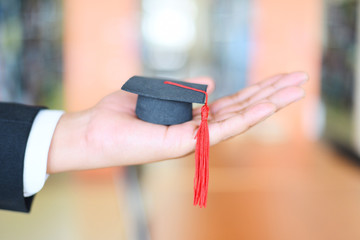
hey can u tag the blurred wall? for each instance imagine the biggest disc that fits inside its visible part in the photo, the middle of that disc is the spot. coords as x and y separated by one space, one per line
287 37
100 49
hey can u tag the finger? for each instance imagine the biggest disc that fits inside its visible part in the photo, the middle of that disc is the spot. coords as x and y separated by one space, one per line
240 96
294 79
280 98
231 124
271 80
239 123
203 80
244 93
120 100
286 96
260 90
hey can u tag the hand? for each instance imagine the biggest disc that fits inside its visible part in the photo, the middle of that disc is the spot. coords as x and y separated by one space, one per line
110 134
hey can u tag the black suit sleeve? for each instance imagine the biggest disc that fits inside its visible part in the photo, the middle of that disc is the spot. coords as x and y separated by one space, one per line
15 125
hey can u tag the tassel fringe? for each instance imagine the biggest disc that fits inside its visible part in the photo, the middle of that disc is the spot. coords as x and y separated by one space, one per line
201 179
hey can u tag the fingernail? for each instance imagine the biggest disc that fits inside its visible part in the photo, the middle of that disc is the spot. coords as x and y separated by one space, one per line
302 76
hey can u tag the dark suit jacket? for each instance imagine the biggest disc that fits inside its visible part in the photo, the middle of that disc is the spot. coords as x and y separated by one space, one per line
15 125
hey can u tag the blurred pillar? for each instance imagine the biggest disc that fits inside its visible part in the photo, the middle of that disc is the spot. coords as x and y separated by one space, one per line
100 49
287 37
100 53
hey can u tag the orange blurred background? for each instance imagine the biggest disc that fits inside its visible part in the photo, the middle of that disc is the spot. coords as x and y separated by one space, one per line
277 181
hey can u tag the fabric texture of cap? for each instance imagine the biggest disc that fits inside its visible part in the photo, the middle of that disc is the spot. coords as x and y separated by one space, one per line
162 103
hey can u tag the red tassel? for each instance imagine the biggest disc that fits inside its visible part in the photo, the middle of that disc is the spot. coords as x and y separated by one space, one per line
201 179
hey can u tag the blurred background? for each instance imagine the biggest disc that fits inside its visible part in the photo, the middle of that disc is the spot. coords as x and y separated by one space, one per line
295 176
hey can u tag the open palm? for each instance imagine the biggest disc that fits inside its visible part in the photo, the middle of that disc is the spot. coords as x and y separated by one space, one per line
114 136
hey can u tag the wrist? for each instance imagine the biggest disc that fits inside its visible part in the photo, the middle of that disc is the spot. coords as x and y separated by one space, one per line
68 147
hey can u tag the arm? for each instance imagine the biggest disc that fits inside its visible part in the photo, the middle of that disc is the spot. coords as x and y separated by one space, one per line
15 125
109 134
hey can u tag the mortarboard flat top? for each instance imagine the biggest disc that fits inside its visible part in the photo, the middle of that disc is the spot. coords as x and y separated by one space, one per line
162 103
155 88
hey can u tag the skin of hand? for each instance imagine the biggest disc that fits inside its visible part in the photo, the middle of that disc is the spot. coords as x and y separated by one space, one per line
110 134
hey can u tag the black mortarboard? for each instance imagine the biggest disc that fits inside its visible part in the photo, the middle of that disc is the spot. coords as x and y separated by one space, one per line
163 103
169 102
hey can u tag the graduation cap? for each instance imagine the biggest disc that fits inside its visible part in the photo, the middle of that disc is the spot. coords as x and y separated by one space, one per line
162 103
169 102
